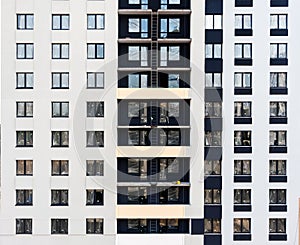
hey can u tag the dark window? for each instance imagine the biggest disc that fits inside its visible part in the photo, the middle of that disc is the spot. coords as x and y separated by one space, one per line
95 109
213 109
60 109
136 194
278 109
60 22
138 167
212 167
59 167
60 51
94 167
60 80
241 225
167 166
242 80
25 80
277 225
24 138
242 109
94 197
242 196
25 109
95 22
242 138
138 109
59 197
59 226
60 138
277 138
25 51
212 196
25 21
95 80
94 226
213 138
212 226
95 51
169 25
95 138
277 167
24 167
278 79
23 226
137 224
242 167
277 196
24 197
167 110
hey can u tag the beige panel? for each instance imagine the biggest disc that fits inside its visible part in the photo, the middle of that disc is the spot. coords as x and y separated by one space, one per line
154 151
153 93
150 211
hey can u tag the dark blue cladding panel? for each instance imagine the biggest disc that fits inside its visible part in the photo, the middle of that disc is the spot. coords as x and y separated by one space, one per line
213 6
197 227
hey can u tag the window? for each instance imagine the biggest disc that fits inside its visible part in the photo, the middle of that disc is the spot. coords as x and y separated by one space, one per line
60 80
173 137
169 53
94 167
137 80
60 22
243 80
59 226
212 167
24 197
138 53
173 80
24 167
213 51
23 226
137 194
278 21
138 25
166 225
277 138
138 109
137 224
166 3
212 226
213 80
243 50
242 138
213 138
138 137
95 138
24 109
241 225
24 138
94 226
95 51
242 167
95 21
167 110
168 26
95 109
60 109
24 50
60 51
25 21
277 167
242 109
138 167
277 225
24 80
213 22
95 80
143 3
166 167
277 196
60 138
243 21
212 196
278 50
59 198
213 109
278 109
94 197
278 79
242 196
59 167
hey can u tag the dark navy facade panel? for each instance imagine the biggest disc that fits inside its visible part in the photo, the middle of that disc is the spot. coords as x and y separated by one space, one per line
242 237
213 124
243 3
278 120
279 3
213 239
197 227
243 62
279 62
213 211
213 94
212 153
278 237
213 36
243 91
243 32
242 208
155 5
242 120
243 179
278 149
213 6
279 32
278 208
278 91
213 65
213 182
278 179
243 149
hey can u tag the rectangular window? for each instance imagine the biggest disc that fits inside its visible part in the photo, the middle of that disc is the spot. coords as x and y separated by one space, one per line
212 196
213 138
25 51
277 225
24 138
241 225
94 197
138 25
25 21
59 226
212 226
168 26
24 80
25 109
23 226
277 138
138 53
173 80
278 109
24 197
213 22
60 109
95 22
138 109
213 80
94 226
24 167
95 138
242 196
277 167
242 138
212 167
59 197
95 109
137 80
242 109
164 4
242 167
137 194
60 138
60 51
278 50
213 51
243 80
143 3
60 80
278 79
138 167
60 22
213 109
95 80
278 21
243 21
94 167
59 167
95 50
169 53
277 196
243 50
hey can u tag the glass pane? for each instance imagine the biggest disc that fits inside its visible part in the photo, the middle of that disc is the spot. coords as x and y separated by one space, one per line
282 80
143 171
91 51
237 225
65 51
133 1
238 22
218 22
273 21
29 51
100 21
144 81
217 51
133 109
173 81
55 51
29 109
133 53
209 22
133 25
273 79
29 80
100 51
55 22
272 225
238 80
209 80
282 22
217 80
247 22
273 51
247 51
238 53
65 22
133 80
174 52
64 109
163 169
163 56
208 51
91 21
173 137
64 167
216 196
173 166
144 27
237 167
21 51
21 80
21 21
282 138
64 80
246 197
133 137
237 196
133 166
173 109
281 167
281 226
20 109
20 167
29 19
246 167
163 27
282 50
174 25
173 194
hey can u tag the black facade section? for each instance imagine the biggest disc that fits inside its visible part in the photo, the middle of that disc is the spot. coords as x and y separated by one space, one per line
242 120
279 62
213 182
278 208
278 237
243 32
213 65
279 32
243 62
154 5
212 153
213 36
243 179
123 26
215 239
278 120
213 124
213 211
242 208
243 3
213 6
278 91
278 149
242 149
279 3
243 91
197 227
242 237
124 61
184 31
184 59
213 94
278 179
184 79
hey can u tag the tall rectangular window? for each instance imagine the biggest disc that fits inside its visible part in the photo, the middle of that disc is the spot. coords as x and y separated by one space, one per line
138 25
242 109
24 80
95 80
95 109
24 138
60 109
278 21
94 197
242 138
242 196
94 167
60 51
278 109
94 226
212 226
213 109
277 225
25 51
24 167
95 138
60 22
59 167
242 167
95 22
278 79
25 21
23 226
60 80
95 50
138 53
241 225
277 167
213 138
59 226
277 196
24 197
168 26
60 138
59 197
25 109
277 138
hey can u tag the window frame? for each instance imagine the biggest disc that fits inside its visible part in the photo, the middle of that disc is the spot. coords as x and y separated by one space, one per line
59 223
60 163
60 74
61 106
277 107
165 34
95 168
213 75
22 223
61 144
243 79
95 221
214 226
26 54
277 194
23 171
95 104
278 21
26 113
243 21
212 196
26 21
276 221
213 21
243 50
94 200
26 137
95 47
277 76
276 138
60 50
213 49
244 140
59 195
241 226
26 195
244 109
278 172
25 78
212 141
143 34
213 111
95 80
242 196
95 144
102 21
277 55
61 28
242 170
210 167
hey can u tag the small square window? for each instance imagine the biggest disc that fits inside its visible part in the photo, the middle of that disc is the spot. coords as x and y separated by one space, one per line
95 80
95 51
24 167
95 109
95 138
59 167
94 167
25 21
60 138
24 80
60 22
60 80
95 21
23 226
24 109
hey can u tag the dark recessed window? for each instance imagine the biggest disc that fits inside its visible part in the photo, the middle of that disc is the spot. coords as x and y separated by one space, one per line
212 167
94 167
277 167
277 138
59 197
59 167
278 79
241 225
94 226
95 139
25 109
60 109
95 109
212 196
24 167
277 225
278 109
137 80
212 226
24 197
94 197
242 138
60 138
59 226
25 21
242 196
277 196
169 26
24 138
138 26
242 109
23 226
213 109
213 138
242 167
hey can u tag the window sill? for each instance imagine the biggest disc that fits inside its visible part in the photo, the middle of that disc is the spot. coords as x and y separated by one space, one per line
243 91
242 178
243 32
278 90
278 120
279 61
243 3
243 62
279 32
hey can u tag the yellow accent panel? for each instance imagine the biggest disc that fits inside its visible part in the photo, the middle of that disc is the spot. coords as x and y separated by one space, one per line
153 93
